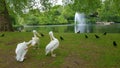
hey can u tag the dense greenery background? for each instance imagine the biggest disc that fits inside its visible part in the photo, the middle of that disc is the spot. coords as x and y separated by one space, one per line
95 10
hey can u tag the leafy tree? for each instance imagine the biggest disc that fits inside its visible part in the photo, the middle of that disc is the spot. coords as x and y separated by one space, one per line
5 22
110 11
89 7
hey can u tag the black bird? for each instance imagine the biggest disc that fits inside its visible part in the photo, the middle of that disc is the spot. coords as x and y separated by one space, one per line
61 38
78 32
2 35
114 43
42 34
86 36
104 33
97 36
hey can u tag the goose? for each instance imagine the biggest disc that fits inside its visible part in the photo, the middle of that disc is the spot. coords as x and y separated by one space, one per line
53 44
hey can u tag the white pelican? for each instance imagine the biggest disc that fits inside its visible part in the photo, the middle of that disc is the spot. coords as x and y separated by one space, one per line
54 43
35 39
21 51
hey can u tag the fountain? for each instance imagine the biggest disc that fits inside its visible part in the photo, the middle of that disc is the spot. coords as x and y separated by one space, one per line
80 22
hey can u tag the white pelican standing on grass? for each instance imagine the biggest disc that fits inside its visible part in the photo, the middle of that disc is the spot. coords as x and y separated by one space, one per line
35 39
54 43
21 51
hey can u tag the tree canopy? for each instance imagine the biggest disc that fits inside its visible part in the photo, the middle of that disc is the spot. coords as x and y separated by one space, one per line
36 12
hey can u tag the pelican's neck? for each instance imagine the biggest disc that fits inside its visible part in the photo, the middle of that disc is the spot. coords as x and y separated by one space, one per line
35 33
29 42
52 37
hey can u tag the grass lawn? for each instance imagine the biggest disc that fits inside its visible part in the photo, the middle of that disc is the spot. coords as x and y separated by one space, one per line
75 51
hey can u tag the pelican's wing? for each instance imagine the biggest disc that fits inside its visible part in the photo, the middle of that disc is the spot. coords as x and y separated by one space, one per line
18 48
51 46
20 51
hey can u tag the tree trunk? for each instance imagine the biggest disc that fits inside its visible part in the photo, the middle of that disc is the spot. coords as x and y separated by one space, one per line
5 23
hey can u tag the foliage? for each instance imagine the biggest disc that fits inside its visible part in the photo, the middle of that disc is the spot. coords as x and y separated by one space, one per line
5 22
110 11
29 12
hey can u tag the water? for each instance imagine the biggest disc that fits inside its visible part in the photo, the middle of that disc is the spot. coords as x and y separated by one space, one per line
69 28
79 25
80 22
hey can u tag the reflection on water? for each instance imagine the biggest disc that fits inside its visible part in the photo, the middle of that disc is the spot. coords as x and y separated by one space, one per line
83 28
90 28
56 28
80 23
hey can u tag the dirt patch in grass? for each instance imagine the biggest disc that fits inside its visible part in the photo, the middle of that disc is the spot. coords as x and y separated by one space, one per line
11 43
74 61
84 58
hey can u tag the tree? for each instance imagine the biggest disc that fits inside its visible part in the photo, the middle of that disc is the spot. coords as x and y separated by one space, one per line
110 11
5 22
16 6
86 6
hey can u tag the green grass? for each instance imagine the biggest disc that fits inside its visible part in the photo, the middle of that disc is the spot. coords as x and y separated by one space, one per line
74 52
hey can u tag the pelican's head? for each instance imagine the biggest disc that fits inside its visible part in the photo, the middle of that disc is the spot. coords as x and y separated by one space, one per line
34 31
50 33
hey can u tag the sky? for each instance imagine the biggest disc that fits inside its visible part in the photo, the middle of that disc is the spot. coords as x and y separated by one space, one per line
56 2
103 0
36 4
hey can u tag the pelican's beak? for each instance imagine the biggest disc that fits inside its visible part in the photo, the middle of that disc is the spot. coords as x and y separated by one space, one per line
50 37
38 34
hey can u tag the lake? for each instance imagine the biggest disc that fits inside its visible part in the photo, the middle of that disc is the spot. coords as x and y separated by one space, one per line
69 28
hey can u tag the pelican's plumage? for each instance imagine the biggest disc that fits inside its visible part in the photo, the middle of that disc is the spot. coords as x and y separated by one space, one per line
21 51
54 43
34 41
